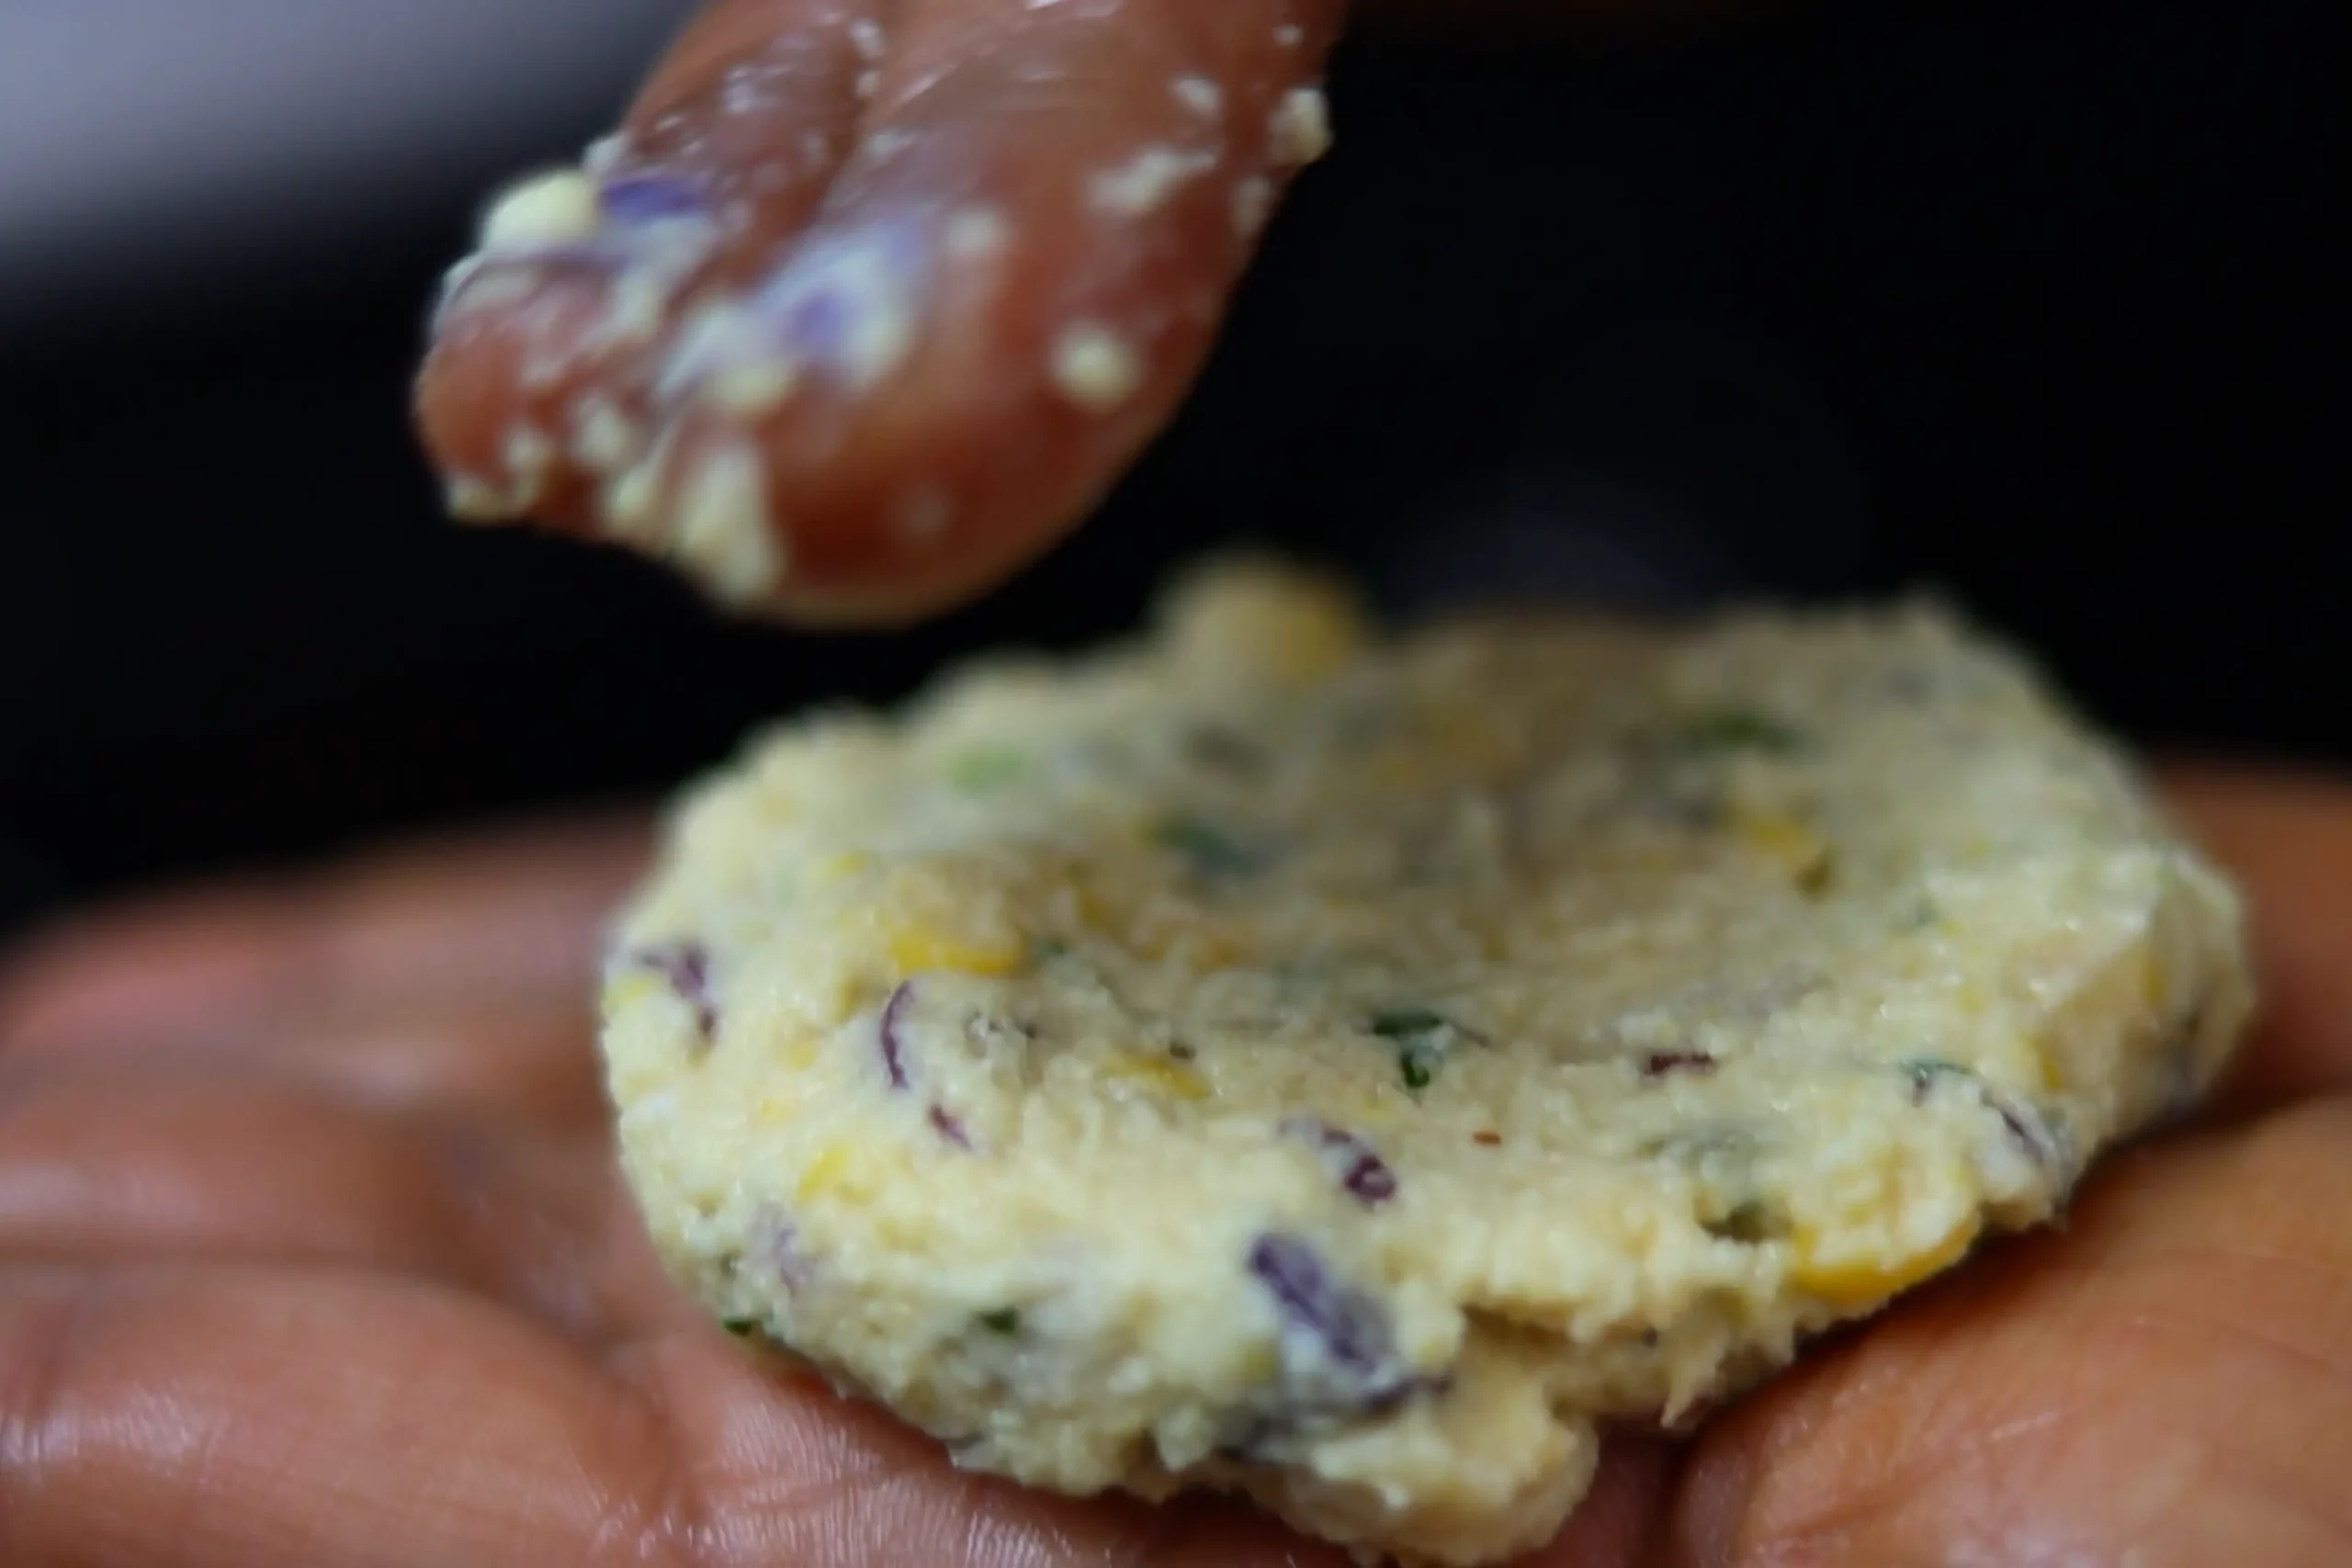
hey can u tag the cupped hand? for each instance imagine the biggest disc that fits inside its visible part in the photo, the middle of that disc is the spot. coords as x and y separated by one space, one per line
312 1253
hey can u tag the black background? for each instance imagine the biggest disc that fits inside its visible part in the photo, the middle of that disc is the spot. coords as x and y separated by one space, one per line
2044 304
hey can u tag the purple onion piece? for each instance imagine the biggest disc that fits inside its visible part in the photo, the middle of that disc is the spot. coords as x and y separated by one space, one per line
893 1043
780 1252
817 324
2025 1127
649 198
1659 1064
1352 1161
944 1121
684 967
1352 1363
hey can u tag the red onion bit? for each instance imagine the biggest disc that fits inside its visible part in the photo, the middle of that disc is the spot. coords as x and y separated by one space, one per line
2023 1124
1661 1064
945 1123
1340 1354
778 1250
684 967
649 198
892 1041
890 1036
1356 1165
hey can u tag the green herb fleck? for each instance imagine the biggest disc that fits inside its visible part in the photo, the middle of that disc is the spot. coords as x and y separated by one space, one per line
1406 1023
1044 950
1741 729
744 1327
1422 1037
1004 1320
1749 1222
988 768
1213 852
1700 1144
1925 1070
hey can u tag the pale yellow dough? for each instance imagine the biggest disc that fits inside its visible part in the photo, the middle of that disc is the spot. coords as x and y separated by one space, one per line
1352 1070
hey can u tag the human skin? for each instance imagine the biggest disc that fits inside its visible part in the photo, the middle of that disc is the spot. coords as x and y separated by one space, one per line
869 301
313 1253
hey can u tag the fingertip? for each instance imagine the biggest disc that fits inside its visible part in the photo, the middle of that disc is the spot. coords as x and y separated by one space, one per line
1615 1524
2285 835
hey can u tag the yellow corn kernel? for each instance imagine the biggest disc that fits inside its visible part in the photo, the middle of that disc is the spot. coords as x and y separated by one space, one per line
836 1170
1202 947
1314 639
1467 737
838 867
628 991
1272 621
1159 1073
1805 852
1856 1282
1096 912
926 949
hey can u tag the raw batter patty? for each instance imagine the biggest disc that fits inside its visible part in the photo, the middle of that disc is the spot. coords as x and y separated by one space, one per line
1352 1070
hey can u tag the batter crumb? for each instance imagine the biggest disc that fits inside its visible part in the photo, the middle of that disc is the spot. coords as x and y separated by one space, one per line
1095 369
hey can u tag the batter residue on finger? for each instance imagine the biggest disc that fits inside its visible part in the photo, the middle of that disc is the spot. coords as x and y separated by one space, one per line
868 301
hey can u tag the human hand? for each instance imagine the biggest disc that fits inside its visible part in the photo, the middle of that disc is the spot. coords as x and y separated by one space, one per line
870 299
313 1252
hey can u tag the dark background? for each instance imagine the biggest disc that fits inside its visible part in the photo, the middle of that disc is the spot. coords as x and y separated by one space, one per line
2043 303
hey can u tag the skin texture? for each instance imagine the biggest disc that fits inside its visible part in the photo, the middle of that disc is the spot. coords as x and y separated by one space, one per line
831 146
312 1253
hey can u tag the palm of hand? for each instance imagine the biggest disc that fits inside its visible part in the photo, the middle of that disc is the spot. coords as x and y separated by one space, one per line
313 1252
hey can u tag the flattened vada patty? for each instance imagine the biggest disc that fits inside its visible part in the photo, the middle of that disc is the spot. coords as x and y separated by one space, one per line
1349 1069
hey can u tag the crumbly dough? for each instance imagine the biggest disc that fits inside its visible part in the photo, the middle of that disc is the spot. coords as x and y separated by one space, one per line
1353 1070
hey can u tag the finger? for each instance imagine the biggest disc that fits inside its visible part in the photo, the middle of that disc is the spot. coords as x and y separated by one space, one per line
535 392
256 1417
92 1165
787 1472
512 914
2288 840
2168 1384
185 1418
1014 279
178 1165
523 1060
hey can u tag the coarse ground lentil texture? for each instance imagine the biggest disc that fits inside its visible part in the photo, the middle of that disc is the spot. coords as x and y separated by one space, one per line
1353 1070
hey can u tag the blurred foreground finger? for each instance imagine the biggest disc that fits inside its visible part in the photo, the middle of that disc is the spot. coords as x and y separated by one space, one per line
512 913
870 411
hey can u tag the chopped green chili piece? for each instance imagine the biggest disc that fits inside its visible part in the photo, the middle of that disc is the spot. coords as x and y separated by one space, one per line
1700 1142
1926 1070
988 768
1213 852
1741 729
1406 1023
1750 1222
1004 1320
743 1327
